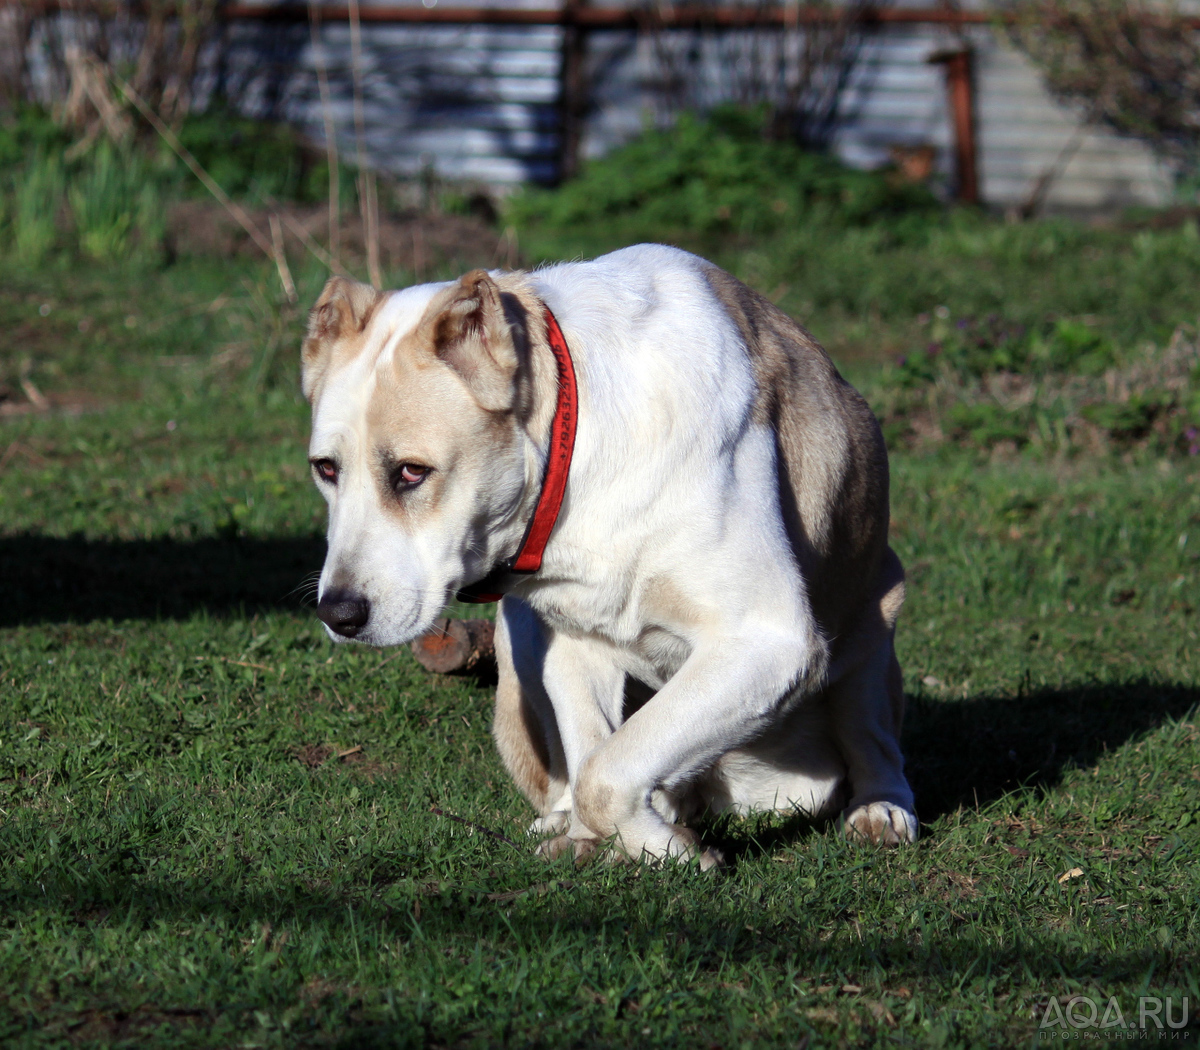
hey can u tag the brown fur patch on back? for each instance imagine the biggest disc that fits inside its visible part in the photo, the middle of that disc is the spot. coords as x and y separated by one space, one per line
833 484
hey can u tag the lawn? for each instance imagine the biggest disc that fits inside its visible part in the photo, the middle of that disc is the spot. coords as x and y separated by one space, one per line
217 829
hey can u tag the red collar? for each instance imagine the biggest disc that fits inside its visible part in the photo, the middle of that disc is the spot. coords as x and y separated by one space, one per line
528 558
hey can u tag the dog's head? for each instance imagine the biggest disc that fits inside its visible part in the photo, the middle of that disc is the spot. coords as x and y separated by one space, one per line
421 403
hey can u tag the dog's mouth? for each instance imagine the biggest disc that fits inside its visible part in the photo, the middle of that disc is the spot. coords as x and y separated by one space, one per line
350 616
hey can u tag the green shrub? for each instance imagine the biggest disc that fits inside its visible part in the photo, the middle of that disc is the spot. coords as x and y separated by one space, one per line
26 132
1071 346
1127 421
715 175
251 158
37 198
119 195
987 424
117 204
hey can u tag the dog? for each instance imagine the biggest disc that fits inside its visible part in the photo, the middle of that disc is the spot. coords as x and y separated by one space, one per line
708 620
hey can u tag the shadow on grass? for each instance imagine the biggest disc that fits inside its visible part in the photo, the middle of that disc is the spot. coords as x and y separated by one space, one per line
49 580
958 750
567 922
726 930
967 752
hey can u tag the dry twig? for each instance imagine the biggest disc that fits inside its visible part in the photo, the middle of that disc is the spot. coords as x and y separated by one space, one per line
367 191
471 824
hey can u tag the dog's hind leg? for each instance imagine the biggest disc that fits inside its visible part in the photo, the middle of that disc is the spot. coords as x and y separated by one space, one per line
523 725
866 707
794 767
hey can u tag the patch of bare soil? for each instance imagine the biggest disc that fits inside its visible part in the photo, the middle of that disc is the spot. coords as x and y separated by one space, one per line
111 1026
313 755
424 244
28 399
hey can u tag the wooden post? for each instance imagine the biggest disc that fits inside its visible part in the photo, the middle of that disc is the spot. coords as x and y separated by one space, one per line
960 95
572 98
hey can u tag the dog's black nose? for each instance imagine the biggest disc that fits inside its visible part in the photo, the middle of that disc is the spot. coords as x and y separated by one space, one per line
344 612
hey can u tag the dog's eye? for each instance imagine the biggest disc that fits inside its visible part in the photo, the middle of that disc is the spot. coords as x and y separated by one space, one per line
410 475
326 470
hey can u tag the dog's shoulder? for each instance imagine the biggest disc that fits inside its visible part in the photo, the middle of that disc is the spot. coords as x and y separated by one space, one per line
833 462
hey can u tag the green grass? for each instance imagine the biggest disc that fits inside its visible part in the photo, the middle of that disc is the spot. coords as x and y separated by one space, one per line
870 292
193 853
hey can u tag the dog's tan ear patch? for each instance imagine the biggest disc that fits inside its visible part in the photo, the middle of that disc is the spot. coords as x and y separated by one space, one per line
470 331
341 312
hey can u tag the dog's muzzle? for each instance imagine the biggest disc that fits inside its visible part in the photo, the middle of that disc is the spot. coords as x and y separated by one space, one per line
343 612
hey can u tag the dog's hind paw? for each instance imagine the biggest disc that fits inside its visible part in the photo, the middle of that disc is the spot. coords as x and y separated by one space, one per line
880 824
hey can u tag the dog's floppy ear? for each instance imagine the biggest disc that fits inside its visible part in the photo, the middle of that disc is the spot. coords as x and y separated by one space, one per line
343 310
472 334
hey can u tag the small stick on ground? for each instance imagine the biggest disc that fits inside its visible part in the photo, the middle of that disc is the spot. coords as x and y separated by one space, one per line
471 824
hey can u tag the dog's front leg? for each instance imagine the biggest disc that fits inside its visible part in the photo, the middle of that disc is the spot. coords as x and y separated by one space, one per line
725 693
586 686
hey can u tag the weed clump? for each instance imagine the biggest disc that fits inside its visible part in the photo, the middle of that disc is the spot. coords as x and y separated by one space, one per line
1064 389
109 202
971 348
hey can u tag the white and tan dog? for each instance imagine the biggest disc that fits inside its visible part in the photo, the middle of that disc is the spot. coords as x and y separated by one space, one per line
712 622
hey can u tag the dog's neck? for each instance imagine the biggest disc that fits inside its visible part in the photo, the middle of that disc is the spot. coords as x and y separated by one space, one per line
559 445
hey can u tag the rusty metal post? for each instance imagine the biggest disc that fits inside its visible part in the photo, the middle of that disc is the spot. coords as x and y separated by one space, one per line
960 95
573 90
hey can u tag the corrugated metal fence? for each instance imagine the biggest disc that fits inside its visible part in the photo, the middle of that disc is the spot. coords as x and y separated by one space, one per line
474 102
481 102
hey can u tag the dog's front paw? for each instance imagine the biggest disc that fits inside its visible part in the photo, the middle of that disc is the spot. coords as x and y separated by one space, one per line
881 824
584 849
553 823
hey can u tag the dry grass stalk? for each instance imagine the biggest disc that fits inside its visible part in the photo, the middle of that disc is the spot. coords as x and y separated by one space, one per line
172 140
331 147
367 190
281 263
90 103
327 260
